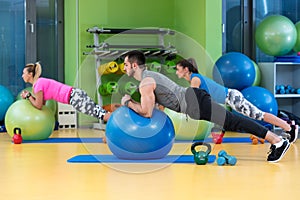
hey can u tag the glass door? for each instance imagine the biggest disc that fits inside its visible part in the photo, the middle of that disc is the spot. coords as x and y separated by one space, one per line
12 40
30 31
50 38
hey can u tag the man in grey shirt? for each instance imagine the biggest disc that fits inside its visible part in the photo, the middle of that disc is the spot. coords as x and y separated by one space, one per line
197 103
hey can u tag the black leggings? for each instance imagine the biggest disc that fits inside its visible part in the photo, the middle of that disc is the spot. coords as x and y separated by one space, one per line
200 106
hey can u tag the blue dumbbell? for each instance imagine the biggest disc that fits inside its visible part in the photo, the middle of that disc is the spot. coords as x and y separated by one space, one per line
224 158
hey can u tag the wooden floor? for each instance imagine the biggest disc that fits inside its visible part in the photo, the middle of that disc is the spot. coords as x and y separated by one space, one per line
40 171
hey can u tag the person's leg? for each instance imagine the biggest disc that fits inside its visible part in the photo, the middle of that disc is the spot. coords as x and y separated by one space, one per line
84 104
201 107
272 119
236 100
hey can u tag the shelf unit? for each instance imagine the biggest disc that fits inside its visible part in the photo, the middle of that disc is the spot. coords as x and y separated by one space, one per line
106 49
282 73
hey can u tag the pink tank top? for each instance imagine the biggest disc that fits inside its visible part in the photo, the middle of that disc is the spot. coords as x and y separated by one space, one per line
53 90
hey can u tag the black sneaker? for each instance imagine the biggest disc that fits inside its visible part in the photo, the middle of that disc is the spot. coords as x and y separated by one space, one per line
275 154
293 132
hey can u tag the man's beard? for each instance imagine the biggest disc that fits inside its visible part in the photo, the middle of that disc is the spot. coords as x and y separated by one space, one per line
131 73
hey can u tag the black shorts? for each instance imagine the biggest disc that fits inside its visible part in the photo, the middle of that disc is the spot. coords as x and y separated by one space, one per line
199 105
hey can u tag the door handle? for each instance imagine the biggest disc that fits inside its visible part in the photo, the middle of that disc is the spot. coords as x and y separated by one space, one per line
31 25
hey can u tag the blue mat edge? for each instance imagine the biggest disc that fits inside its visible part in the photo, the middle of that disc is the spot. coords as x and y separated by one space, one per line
88 158
99 140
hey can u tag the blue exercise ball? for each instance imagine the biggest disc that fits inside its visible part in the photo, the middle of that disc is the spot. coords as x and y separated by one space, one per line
131 136
261 98
234 70
6 99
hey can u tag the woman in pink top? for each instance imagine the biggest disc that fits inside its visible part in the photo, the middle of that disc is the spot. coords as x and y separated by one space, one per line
46 89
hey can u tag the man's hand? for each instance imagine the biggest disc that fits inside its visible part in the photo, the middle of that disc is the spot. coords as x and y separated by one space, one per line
107 116
125 98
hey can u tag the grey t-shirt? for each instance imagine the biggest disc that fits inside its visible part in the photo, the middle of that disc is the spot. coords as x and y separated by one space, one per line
167 92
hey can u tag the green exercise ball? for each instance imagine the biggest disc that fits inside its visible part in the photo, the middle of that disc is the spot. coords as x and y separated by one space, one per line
257 79
52 105
297 45
187 128
35 124
276 35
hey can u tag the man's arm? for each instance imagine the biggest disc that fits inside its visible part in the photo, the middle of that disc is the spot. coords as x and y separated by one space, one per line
145 108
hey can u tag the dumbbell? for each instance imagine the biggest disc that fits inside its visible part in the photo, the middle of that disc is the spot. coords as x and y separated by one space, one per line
170 67
255 139
129 88
108 88
155 66
224 158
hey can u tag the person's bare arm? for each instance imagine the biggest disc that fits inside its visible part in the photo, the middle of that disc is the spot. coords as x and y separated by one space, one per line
147 101
195 82
37 100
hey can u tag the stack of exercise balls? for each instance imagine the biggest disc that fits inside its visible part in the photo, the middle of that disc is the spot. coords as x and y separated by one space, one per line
262 99
237 71
34 124
234 70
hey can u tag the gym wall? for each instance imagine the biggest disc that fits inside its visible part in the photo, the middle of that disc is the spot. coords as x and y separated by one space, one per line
198 19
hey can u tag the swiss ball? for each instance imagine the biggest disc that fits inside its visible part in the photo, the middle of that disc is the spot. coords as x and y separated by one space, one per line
261 98
6 99
188 128
131 136
35 124
234 70
276 35
51 104
257 79
296 48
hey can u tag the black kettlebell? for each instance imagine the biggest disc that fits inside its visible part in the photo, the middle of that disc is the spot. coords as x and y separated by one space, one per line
201 157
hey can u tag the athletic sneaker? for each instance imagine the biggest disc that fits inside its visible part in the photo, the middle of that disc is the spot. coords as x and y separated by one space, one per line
293 132
278 150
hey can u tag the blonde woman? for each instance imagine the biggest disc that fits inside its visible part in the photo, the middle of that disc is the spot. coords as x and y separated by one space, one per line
46 89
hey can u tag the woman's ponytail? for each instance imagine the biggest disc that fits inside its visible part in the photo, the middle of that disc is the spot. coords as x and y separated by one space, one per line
37 71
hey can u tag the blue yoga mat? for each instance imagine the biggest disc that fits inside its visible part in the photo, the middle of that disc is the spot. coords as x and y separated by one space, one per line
66 140
225 140
99 140
114 159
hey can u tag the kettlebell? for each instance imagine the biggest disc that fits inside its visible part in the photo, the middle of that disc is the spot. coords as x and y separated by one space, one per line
17 138
201 157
